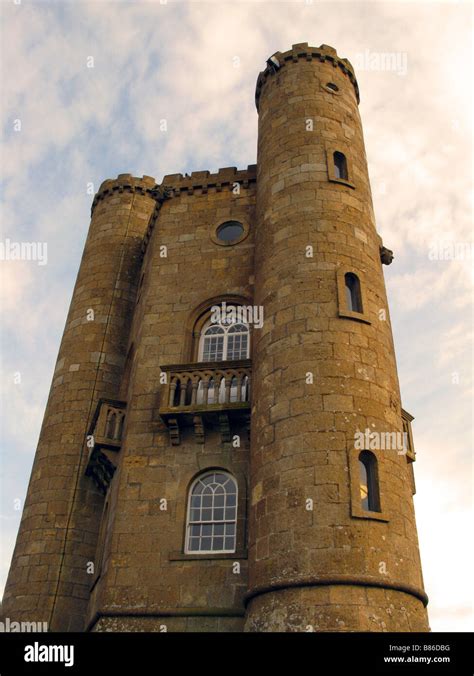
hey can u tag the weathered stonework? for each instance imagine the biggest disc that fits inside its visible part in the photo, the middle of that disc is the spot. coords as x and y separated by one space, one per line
117 453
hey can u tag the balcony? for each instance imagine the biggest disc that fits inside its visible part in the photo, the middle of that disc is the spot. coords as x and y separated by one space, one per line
104 441
206 395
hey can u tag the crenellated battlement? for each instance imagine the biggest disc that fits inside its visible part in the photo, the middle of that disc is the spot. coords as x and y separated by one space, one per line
303 51
124 183
173 185
204 180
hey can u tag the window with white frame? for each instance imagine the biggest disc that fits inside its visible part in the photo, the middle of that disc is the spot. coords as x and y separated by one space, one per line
224 341
212 514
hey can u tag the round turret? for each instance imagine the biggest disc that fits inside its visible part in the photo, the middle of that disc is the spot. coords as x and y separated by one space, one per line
320 556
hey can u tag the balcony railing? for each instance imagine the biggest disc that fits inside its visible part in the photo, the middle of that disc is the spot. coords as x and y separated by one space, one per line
205 385
198 393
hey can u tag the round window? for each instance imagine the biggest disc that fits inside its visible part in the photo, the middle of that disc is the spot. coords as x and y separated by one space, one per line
230 231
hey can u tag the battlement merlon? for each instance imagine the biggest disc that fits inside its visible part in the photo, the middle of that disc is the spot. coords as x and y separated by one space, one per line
303 51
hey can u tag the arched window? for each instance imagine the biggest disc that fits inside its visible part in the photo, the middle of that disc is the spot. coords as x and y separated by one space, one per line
369 482
224 341
340 166
353 294
212 514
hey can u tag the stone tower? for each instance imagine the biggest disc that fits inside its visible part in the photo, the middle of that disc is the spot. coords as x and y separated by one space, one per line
214 472
323 368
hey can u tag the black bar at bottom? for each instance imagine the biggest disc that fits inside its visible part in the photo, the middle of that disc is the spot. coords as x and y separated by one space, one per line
139 653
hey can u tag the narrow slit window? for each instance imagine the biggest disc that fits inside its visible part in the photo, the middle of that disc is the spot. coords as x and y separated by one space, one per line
368 482
353 293
340 166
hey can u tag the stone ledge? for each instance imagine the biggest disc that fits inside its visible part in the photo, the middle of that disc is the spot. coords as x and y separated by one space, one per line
329 580
233 556
164 612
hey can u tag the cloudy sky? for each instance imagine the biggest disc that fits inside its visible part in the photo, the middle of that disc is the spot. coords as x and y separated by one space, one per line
66 125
